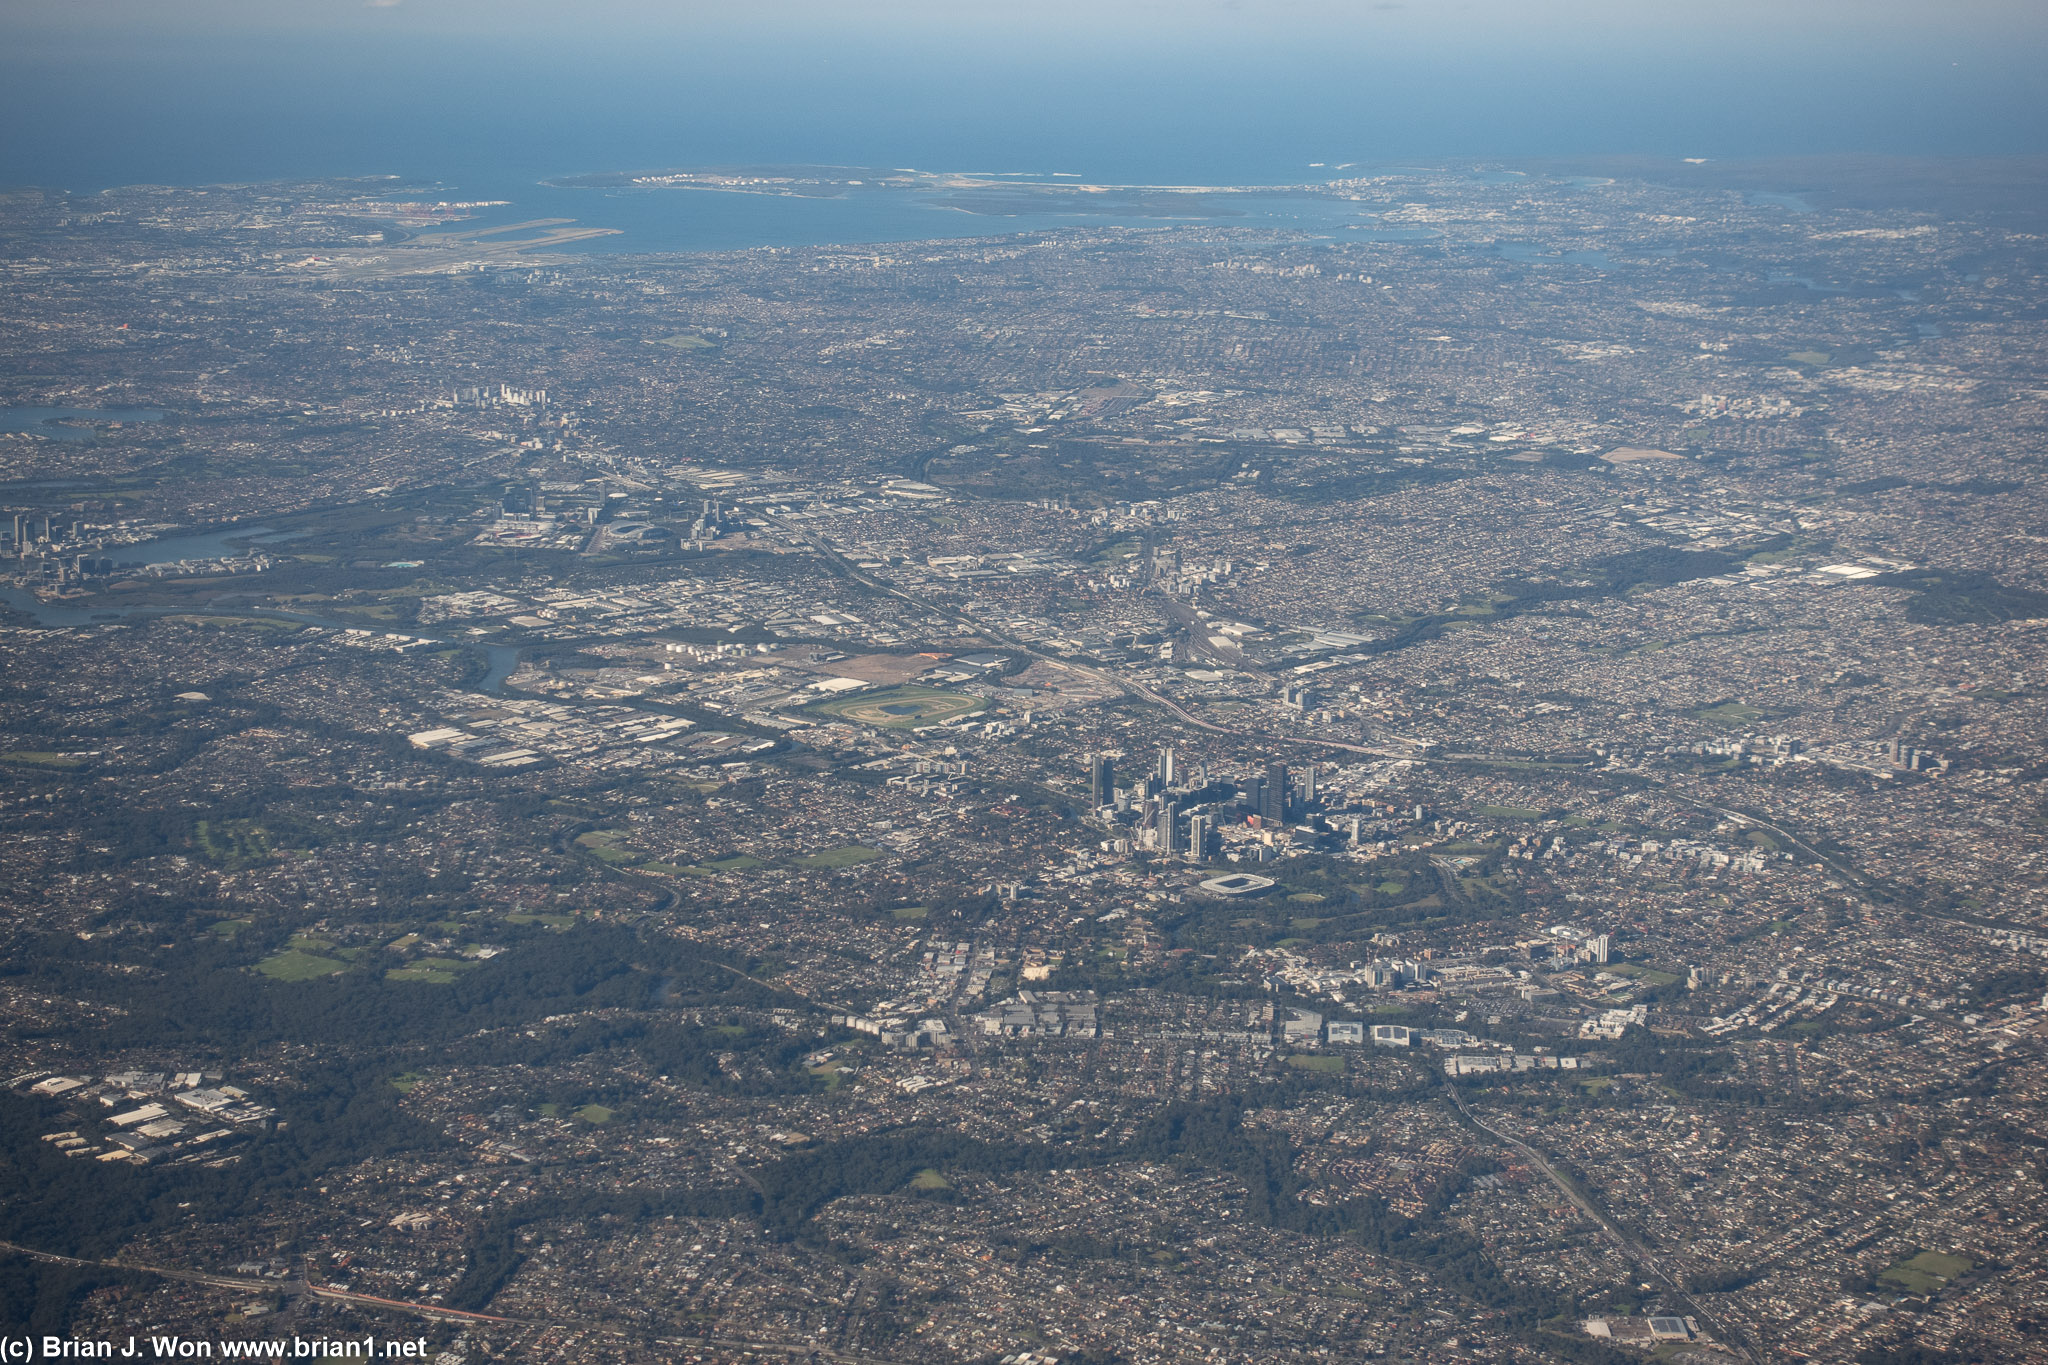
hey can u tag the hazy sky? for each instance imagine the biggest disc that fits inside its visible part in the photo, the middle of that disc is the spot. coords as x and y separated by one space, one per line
1481 22
98 92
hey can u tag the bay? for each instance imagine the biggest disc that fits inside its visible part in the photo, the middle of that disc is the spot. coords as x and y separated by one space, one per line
494 117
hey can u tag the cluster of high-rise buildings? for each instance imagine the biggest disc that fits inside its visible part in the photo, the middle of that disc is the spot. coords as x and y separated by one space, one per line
1178 812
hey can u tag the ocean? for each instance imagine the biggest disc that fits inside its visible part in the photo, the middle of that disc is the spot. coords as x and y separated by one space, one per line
492 117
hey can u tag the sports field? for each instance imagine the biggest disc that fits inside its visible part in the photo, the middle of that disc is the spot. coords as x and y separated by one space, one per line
1927 1273
902 708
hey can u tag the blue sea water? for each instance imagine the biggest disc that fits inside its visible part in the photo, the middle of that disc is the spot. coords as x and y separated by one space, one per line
492 117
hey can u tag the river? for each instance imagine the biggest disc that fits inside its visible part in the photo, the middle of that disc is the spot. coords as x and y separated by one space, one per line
64 424
501 660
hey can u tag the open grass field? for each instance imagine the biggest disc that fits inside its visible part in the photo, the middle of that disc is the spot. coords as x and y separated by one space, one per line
1302 1061
1649 976
295 964
1730 713
849 856
1925 1273
603 845
902 708
41 758
437 971
233 844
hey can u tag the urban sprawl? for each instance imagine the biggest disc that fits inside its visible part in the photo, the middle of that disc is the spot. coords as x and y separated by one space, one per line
1467 785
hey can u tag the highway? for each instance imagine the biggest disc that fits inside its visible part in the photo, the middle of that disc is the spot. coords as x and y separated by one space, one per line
1621 1241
